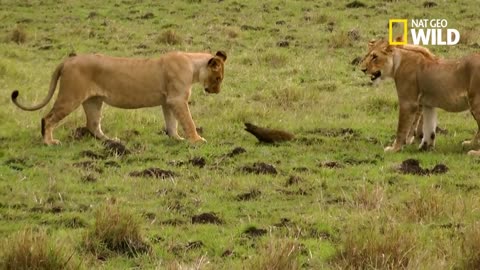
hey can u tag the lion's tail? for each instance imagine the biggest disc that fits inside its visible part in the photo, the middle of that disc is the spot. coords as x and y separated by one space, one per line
53 84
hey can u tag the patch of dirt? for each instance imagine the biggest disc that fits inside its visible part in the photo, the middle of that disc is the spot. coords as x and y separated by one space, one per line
356 61
236 151
206 218
88 165
299 192
80 133
412 166
355 4
254 232
90 178
454 226
283 43
429 4
293 180
251 195
309 140
194 245
335 132
147 16
336 200
284 222
173 222
154 173
330 26
331 165
115 148
260 168
91 154
18 164
301 169
198 162
92 15
354 161
467 187
112 163
354 34
227 253
439 169
253 28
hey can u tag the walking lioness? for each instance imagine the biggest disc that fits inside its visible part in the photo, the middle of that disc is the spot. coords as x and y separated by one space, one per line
93 79
425 82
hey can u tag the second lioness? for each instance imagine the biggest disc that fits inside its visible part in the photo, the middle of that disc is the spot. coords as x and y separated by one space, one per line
426 82
93 79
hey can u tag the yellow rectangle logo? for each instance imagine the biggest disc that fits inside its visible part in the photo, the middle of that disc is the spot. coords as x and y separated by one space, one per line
391 41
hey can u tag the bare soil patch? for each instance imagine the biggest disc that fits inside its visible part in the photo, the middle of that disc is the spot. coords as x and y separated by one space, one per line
154 173
251 195
115 148
207 218
412 166
260 168
253 232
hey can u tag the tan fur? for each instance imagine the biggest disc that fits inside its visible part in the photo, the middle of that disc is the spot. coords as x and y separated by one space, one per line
425 82
93 79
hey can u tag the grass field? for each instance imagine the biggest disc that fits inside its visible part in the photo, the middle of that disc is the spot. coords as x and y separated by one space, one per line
334 201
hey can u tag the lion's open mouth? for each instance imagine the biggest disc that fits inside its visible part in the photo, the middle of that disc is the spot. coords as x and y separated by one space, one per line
376 75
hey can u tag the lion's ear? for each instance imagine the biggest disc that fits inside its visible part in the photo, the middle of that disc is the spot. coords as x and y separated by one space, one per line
371 43
213 63
399 39
222 55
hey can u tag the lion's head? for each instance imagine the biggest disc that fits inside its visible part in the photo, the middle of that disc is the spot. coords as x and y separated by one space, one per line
378 62
214 75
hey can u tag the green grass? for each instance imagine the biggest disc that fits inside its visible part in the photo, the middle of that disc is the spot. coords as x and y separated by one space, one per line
308 88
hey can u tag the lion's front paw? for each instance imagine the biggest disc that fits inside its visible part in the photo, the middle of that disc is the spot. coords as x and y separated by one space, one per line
197 140
177 137
53 142
410 140
474 153
391 149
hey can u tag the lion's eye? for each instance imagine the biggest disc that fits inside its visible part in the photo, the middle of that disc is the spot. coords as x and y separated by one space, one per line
374 56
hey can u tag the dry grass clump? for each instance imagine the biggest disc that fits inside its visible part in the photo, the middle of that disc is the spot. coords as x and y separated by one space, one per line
277 254
369 199
468 36
341 39
426 206
31 249
169 37
116 231
18 35
386 248
275 60
471 248
199 264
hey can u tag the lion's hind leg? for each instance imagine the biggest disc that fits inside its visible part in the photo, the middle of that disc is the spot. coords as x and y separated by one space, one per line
62 107
93 112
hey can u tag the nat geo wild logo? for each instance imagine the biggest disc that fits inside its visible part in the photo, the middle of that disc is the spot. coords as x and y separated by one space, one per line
424 32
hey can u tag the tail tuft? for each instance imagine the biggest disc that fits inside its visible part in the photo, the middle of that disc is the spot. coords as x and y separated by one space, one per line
14 95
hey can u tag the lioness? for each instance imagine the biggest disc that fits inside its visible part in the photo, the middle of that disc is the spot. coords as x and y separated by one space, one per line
94 79
425 82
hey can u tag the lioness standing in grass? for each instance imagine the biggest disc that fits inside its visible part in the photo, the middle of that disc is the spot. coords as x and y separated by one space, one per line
94 79
425 82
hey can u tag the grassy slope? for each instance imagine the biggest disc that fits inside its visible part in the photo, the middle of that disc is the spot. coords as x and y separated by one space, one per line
306 86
